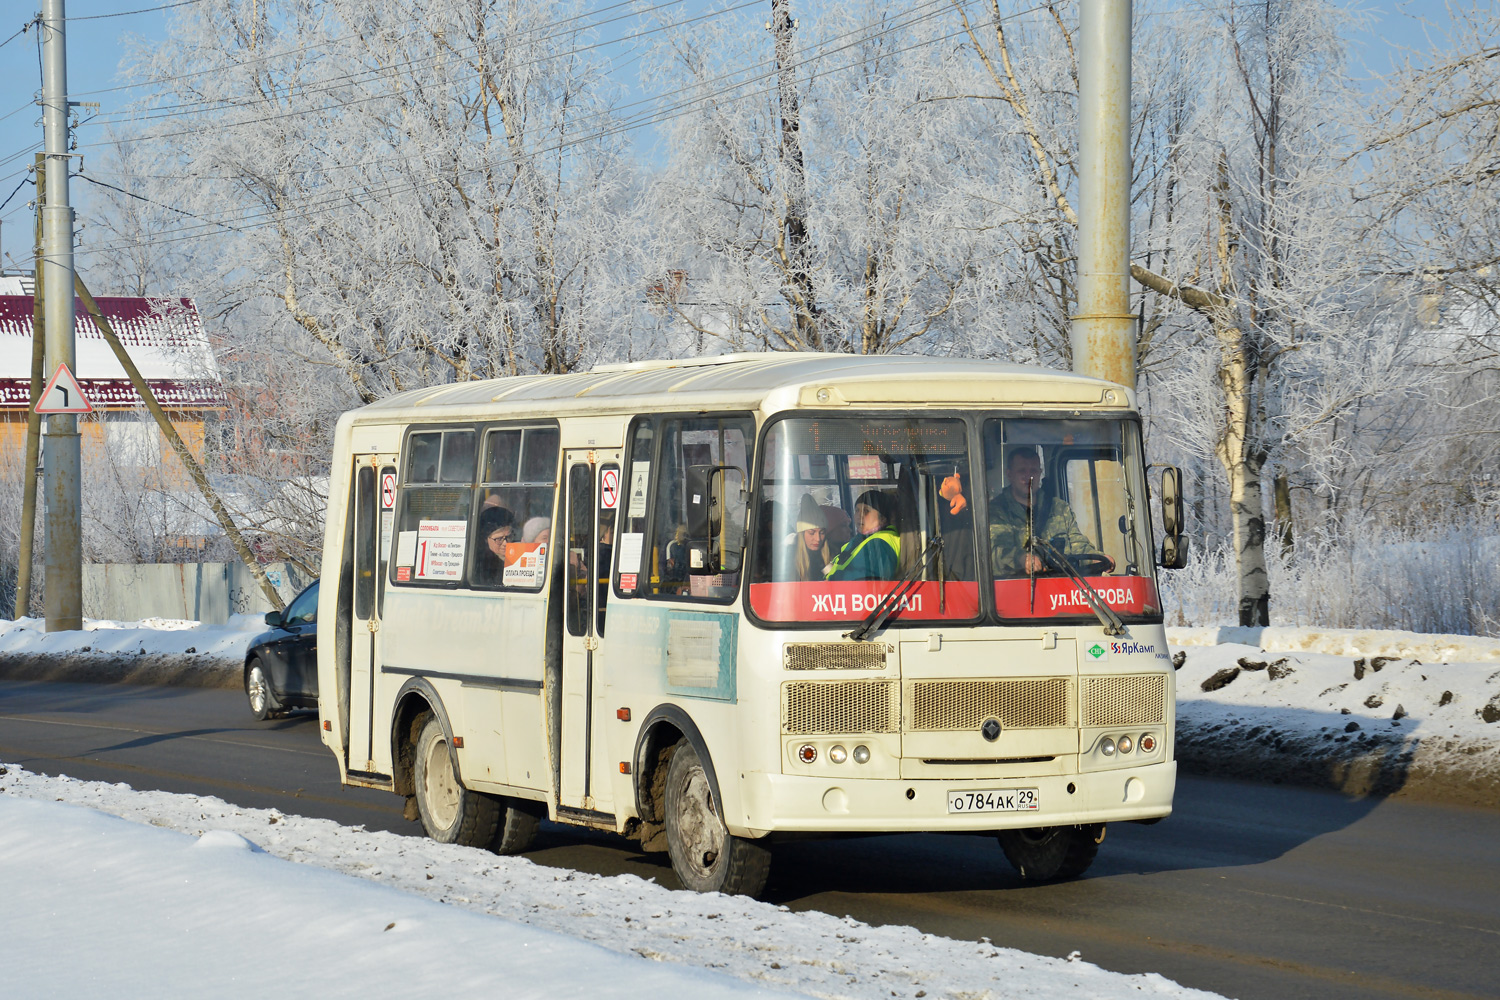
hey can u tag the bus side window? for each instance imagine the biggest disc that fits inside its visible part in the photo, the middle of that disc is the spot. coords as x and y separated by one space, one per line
636 568
580 547
700 442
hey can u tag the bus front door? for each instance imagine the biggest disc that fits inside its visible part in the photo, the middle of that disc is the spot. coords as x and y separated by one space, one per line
593 489
374 511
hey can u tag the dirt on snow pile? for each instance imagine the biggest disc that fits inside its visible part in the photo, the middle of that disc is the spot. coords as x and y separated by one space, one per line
1379 712
153 651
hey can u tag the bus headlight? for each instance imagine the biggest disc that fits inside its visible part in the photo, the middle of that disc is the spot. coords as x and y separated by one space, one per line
1125 745
861 754
837 754
1107 747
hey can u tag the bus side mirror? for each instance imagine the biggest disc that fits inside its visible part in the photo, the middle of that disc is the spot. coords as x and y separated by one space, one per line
716 503
1174 547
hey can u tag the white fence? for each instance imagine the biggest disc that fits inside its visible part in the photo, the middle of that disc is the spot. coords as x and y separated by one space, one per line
205 592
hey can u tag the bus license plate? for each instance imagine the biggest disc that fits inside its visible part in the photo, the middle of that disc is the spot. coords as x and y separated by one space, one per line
988 800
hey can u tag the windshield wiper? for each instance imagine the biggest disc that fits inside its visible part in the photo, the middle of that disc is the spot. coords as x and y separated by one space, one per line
889 604
1106 615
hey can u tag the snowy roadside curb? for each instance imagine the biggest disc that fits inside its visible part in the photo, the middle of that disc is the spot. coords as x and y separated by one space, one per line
1345 642
1374 717
154 651
769 946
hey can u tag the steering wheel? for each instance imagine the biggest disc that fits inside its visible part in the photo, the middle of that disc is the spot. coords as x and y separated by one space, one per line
1091 563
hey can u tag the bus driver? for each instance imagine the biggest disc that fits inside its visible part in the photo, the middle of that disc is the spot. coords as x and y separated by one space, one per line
1052 520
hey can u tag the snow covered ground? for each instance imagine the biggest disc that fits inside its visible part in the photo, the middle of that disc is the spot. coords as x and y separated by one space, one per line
153 651
1365 711
194 897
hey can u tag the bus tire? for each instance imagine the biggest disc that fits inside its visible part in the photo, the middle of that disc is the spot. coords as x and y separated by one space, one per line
263 703
705 855
515 830
1052 853
451 813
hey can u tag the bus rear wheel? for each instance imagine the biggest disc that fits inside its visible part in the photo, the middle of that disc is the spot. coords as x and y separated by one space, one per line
1052 853
450 813
705 856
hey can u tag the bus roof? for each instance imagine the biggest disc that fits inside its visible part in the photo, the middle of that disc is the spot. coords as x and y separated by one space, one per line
767 381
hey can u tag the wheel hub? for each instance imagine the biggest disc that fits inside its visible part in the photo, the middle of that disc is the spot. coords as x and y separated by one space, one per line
440 788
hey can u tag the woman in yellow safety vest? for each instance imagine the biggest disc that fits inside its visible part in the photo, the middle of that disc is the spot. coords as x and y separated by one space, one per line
875 550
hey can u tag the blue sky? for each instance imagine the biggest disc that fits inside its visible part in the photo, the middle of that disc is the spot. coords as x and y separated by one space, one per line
97 30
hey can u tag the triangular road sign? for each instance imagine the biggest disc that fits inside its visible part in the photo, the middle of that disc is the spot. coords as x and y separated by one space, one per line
63 394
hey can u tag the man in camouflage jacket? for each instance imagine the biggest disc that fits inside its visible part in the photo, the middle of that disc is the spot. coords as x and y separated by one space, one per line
1054 519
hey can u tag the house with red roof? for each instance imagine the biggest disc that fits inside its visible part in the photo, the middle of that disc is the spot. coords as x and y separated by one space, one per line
165 339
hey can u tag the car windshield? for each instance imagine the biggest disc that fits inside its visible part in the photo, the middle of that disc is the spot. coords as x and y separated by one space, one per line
851 506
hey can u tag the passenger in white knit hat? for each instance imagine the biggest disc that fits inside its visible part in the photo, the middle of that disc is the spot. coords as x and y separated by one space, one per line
810 545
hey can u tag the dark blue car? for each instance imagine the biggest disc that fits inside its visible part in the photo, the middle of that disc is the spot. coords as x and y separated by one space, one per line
281 666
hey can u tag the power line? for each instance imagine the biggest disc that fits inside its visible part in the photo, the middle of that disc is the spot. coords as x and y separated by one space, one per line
24 181
128 13
24 28
149 201
359 76
250 218
912 17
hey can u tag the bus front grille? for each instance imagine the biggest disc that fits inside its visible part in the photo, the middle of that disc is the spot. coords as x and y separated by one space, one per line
1128 700
834 656
1021 703
837 708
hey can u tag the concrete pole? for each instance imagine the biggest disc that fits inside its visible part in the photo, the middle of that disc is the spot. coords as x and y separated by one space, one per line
64 584
33 419
1103 333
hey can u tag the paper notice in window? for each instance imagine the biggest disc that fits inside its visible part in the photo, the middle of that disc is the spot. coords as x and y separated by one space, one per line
864 467
525 564
640 476
406 550
440 549
630 552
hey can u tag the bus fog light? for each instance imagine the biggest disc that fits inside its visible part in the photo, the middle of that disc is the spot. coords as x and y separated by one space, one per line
807 753
838 754
1148 743
861 754
1107 747
1125 745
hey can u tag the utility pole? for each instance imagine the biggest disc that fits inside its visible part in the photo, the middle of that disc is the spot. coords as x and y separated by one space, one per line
1103 333
64 584
33 419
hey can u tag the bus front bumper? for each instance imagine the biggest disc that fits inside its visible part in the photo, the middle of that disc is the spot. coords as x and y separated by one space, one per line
788 803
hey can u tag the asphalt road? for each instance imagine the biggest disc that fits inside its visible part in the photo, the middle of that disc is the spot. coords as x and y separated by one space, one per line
1250 890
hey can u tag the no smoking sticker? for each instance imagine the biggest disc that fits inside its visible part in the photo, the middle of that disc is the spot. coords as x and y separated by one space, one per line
387 490
609 489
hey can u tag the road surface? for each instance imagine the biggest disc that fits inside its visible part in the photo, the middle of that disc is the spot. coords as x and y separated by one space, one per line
1258 891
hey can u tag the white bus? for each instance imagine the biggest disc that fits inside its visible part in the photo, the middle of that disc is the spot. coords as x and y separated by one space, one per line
711 604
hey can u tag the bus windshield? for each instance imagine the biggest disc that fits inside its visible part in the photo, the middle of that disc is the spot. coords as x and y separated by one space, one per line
851 506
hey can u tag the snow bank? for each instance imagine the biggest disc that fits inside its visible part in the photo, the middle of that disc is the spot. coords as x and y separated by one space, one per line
163 919
95 906
1362 711
1346 642
151 651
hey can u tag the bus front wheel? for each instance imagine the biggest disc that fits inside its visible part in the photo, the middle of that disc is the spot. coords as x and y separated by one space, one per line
451 813
1052 853
705 855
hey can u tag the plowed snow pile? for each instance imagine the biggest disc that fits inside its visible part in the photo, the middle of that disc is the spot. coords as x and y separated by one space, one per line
1364 711
96 907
